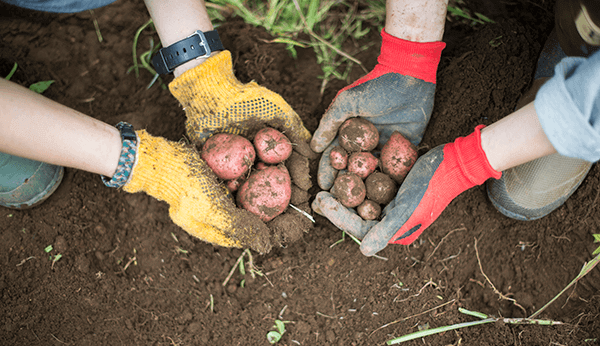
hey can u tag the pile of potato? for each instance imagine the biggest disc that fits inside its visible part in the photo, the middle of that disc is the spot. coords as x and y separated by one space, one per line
359 183
264 191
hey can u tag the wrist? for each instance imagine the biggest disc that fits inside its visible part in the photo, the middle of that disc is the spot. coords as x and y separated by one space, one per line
416 59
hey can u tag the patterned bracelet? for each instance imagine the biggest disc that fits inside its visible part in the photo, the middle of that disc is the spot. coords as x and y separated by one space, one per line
127 158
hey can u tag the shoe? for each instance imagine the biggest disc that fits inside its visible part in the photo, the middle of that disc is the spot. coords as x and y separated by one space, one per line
26 183
535 189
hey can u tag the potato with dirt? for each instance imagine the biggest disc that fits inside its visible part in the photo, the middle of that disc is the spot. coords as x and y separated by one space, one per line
349 189
267 192
369 210
338 157
380 188
398 155
272 146
362 163
229 156
358 134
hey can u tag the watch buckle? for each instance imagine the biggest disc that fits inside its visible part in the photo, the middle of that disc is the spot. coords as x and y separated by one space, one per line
204 44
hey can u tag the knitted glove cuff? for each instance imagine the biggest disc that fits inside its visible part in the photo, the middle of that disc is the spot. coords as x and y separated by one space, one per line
207 84
473 160
415 59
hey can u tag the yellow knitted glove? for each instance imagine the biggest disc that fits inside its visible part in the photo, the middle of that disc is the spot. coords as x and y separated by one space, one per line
215 101
176 174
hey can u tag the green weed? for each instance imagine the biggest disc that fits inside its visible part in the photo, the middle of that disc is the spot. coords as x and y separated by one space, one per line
331 26
596 240
275 335
143 61
587 267
457 10
38 87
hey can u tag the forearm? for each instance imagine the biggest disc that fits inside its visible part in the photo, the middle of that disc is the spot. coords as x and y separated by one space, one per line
515 139
40 129
177 19
417 21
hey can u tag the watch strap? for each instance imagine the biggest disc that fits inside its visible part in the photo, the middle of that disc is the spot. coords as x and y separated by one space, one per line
197 45
127 158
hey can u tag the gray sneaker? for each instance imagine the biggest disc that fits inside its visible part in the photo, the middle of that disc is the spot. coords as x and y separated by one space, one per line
26 183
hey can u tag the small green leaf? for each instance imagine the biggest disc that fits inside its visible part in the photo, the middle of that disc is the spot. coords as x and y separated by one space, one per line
596 238
280 326
40 87
57 257
273 337
48 248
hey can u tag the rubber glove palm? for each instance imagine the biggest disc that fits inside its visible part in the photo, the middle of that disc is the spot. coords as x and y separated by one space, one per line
215 101
397 95
176 174
435 180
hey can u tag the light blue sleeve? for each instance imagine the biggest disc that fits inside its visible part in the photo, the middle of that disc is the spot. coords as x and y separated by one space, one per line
568 107
59 6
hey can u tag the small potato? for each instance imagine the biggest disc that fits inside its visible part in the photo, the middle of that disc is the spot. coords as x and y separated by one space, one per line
349 189
369 210
234 185
380 188
398 156
358 134
362 163
267 192
272 146
338 157
229 156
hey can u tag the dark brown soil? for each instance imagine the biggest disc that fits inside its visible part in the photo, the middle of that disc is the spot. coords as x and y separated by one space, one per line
129 276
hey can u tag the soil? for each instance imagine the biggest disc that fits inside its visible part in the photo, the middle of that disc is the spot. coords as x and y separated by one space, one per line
129 276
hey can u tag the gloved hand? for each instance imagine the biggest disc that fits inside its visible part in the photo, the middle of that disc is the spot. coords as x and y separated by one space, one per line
176 174
397 95
215 101
434 181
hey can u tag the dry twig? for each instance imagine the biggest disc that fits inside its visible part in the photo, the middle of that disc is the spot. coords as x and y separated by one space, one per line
500 295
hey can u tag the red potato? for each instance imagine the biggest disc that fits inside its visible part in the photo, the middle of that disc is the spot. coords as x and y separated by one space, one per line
369 210
358 134
260 166
272 146
267 192
229 156
362 163
349 189
338 157
398 156
234 185
380 188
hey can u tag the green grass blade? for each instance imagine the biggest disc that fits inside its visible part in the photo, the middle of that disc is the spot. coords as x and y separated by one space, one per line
423 333
473 313
12 72
587 267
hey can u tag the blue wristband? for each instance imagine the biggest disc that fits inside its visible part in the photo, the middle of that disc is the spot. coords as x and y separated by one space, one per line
127 158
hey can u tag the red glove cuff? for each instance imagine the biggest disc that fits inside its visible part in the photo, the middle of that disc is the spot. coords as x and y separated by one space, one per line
415 59
472 159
